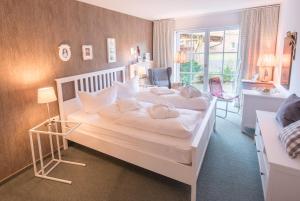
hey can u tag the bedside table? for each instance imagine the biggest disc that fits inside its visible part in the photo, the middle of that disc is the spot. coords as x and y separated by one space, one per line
58 129
253 100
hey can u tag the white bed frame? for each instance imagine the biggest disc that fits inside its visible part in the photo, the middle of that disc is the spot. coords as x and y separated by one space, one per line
99 80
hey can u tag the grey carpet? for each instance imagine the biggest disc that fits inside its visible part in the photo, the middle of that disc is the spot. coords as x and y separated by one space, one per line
229 173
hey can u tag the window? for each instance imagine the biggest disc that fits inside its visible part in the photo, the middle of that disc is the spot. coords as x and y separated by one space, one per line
215 55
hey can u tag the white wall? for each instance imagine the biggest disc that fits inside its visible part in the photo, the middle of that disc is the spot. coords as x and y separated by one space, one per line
290 21
213 20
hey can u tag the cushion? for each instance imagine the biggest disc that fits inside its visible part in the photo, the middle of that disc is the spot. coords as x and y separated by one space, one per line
190 92
289 111
290 139
92 102
128 89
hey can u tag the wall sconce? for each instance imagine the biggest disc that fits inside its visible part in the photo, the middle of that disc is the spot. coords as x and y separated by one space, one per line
180 57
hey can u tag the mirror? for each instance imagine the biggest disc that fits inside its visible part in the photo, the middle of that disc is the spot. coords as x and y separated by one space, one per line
289 52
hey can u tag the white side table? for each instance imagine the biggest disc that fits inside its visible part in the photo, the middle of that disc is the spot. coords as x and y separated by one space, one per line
253 100
58 129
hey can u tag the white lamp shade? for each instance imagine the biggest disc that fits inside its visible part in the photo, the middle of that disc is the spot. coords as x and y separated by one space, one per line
46 95
267 60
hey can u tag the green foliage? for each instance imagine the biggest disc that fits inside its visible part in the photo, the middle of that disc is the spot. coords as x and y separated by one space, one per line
195 67
197 73
228 74
187 67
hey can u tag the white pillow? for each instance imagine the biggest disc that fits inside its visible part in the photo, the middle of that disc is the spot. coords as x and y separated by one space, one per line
128 104
128 89
92 102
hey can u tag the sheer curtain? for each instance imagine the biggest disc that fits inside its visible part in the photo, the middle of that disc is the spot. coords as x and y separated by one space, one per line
258 29
163 43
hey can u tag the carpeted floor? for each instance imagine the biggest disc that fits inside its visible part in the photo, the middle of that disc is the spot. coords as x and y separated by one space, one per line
229 173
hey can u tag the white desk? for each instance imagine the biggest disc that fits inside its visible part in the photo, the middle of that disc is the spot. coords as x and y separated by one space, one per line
253 100
250 84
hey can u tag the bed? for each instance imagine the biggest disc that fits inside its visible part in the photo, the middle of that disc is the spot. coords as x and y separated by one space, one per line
179 159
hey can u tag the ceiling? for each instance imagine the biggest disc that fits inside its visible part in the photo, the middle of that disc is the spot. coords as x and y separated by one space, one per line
162 9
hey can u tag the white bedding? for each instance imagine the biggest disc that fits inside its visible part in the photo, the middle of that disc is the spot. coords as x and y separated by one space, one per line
178 101
183 126
171 148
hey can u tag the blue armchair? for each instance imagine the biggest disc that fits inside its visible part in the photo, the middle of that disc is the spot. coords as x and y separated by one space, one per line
160 76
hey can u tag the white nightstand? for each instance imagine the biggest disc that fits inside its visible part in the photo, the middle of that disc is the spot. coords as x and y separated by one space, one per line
58 129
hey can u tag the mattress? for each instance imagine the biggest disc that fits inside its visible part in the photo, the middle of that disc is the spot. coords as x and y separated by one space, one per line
168 147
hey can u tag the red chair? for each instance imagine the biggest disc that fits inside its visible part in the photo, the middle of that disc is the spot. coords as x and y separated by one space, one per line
216 90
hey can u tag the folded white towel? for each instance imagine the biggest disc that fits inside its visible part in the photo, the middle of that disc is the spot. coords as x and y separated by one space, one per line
128 104
161 91
190 92
162 111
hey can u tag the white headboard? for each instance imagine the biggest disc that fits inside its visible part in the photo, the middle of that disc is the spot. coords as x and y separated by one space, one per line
88 82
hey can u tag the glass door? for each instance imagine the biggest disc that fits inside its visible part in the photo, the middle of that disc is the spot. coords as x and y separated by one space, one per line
223 56
192 71
208 53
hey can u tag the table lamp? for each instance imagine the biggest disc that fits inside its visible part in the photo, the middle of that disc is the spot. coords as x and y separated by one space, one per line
46 95
266 63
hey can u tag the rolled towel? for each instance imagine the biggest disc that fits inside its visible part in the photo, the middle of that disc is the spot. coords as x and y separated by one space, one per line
161 91
190 92
162 111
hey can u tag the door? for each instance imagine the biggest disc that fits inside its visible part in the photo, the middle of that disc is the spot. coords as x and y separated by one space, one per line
209 53
193 45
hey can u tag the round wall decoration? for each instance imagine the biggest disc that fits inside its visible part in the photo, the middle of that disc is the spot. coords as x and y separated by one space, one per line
64 52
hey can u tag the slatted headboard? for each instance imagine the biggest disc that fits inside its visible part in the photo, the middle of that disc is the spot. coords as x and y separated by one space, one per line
89 82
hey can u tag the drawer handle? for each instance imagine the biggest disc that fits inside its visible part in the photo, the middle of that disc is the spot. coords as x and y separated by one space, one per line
258 151
262 174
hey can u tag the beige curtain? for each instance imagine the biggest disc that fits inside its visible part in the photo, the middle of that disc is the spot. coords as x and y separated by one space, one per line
258 36
163 43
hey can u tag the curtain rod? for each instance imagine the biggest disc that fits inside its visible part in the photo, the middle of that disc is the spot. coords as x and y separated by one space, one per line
257 7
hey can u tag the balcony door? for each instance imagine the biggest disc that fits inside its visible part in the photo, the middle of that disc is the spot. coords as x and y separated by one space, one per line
209 53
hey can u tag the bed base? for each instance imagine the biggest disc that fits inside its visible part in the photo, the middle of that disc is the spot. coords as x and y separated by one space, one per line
187 174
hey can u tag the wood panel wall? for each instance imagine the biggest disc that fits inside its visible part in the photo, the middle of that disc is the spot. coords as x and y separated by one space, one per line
30 33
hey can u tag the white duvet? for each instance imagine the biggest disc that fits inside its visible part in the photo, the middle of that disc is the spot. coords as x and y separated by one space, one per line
175 99
183 126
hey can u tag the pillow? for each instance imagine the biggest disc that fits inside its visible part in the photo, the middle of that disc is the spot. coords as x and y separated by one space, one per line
128 89
92 102
128 104
289 111
290 138
190 92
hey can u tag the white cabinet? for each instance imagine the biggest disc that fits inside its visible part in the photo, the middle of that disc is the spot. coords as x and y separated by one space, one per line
280 175
253 100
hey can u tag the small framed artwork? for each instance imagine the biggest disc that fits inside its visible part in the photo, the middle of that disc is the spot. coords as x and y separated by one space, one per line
111 50
64 52
87 52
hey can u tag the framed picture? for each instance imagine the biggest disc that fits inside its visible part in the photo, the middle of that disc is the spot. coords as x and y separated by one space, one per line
111 50
64 52
87 52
